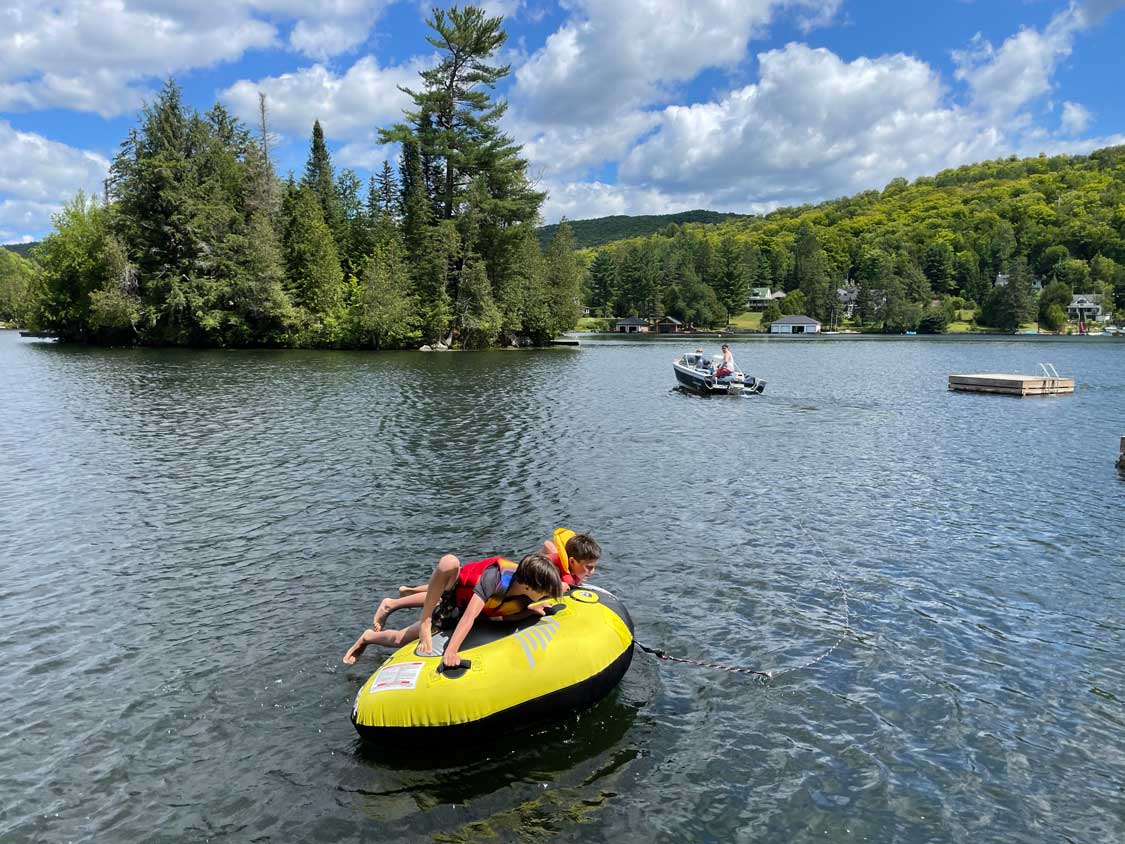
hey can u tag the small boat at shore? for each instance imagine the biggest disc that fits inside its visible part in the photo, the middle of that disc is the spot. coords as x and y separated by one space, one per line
696 372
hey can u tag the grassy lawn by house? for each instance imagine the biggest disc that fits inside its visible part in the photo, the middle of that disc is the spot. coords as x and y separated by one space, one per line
750 319
595 324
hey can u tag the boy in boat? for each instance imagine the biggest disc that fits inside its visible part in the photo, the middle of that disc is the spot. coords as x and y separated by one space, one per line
575 555
726 366
499 588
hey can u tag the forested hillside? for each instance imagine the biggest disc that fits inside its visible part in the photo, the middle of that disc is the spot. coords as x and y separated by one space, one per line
603 230
21 249
915 252
201 244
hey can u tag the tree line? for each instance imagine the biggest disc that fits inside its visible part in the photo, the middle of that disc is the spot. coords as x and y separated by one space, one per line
914 253
198 242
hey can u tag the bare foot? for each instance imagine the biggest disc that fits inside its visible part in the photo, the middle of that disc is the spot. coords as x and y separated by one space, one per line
354 651
386 607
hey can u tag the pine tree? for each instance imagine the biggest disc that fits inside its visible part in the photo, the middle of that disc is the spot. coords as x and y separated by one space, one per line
321 179
731 281
603 283
479 317
387 191
387 316
563 279
810 274
315 282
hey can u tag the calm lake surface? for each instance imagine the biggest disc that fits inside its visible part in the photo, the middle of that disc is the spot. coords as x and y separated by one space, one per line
190 541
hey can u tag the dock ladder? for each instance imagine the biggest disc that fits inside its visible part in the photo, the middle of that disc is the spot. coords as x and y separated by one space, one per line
1051 375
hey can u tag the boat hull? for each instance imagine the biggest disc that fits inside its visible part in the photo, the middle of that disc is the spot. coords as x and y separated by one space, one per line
705 384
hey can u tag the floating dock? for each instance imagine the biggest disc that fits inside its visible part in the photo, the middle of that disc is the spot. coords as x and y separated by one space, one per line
1012 385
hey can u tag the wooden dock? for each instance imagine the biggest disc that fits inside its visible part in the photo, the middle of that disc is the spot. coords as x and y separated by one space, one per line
1011 385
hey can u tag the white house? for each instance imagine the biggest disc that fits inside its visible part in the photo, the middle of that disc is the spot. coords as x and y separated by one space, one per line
633 325
799 324
1086 306
847 297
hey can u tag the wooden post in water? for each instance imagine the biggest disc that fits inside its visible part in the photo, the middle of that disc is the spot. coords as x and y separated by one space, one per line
1121 456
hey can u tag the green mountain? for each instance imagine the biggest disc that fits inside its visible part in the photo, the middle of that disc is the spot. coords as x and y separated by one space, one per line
983 237
21 249
603 230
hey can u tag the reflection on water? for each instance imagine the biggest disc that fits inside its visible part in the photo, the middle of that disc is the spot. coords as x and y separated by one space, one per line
192 539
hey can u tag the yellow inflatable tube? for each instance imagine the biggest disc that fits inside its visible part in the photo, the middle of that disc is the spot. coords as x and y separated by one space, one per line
517 674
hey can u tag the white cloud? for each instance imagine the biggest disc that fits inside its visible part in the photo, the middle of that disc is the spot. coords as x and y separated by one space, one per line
90 55
813 126
619 55
571 150
349 106
37 176
1075 118
1003 81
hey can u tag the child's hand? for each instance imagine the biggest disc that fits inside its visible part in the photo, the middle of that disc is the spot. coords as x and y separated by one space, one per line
425 644
540 607
450 659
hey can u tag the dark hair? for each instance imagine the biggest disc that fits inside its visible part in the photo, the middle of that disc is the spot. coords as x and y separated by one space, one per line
583 547
539 574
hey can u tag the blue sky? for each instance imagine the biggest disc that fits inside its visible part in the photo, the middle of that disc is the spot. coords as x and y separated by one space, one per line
622 106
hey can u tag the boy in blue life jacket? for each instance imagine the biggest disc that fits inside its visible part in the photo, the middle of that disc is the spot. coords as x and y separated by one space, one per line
494 587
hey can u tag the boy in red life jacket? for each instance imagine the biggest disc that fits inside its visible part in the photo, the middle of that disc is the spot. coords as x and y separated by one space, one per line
496 587
578 560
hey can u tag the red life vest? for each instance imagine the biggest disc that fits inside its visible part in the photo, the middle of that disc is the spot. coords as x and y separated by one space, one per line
498 604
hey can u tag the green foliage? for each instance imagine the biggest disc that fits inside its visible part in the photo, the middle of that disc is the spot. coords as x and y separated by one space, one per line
795 304
18 288
603 230
562 279
80 262
315 280
947 235
771 313
1053 318
387 313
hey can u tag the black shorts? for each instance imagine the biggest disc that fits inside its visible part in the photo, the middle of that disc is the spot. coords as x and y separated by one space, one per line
446 613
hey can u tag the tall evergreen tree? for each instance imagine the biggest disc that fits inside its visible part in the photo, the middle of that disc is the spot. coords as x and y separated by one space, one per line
810 274
731 281
603 283
387 190
315 282
563 278
387 316
321 179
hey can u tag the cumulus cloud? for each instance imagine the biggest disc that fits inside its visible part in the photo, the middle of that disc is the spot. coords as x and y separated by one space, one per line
349 106
615 55
90 55
1004 80
1075 118
812 126
37 176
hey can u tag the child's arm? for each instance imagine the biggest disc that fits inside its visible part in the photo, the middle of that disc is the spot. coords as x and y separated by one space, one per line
468 616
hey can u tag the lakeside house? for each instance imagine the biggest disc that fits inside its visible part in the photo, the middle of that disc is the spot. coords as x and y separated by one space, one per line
669 325
847 297
799 324
632 325
760 298
1003 278
1085 307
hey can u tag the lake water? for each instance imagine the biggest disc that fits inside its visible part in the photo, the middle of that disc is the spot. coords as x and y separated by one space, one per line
190 541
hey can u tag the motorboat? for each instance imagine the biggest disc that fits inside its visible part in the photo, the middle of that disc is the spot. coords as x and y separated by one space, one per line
696 372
